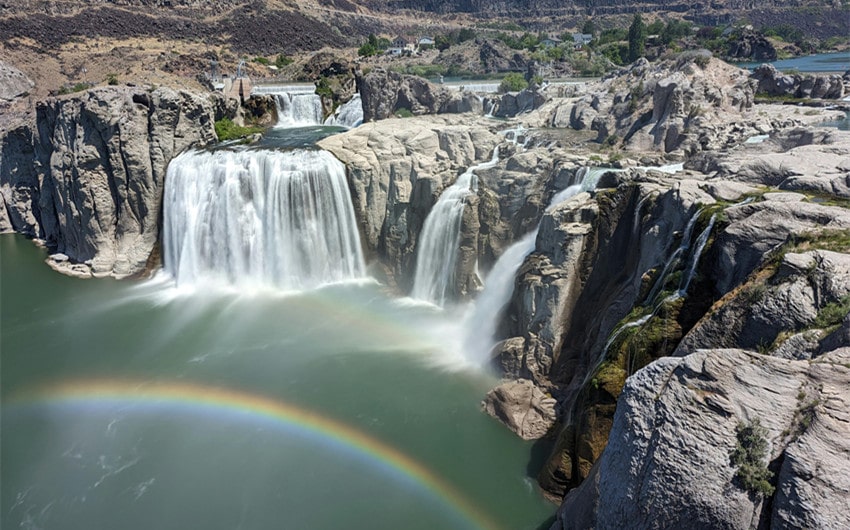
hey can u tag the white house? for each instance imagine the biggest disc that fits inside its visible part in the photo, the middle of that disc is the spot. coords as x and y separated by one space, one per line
581 39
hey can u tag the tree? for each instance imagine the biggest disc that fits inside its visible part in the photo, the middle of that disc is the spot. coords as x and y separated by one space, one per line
589 28
637 38
513 82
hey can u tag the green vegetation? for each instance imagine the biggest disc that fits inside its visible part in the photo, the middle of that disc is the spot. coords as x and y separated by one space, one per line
225 129
832 314
749 456
262 60
637 38
282 60
323 88
111 79
403 113
373 46
528 41
443 41
513 82
79 87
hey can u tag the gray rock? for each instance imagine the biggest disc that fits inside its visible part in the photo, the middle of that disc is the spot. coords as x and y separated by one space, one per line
667 463
787 302
397 169
523 407
13 82
94 192
384 93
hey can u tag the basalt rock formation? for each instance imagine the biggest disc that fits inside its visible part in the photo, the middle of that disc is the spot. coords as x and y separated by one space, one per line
87 176
384 93
771 82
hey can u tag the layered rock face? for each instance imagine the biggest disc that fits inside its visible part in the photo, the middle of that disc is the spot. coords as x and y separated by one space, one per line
668 463
87 178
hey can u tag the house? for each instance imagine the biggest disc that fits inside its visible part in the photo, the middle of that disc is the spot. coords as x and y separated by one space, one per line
401 45
550 42
581 39
426 42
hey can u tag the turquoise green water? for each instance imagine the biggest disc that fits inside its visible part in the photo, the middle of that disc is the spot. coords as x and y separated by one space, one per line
352 355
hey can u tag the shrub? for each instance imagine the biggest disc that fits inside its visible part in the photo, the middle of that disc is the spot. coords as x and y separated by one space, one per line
513 82
282 60
225 129
262 60
403 113
111 79
749 456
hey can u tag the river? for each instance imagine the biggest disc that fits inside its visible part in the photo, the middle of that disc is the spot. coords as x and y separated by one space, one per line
134 405
833 62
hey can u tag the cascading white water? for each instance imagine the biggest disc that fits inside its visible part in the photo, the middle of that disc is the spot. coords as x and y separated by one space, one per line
483 315
259 218
349 114
436 253
297 105
296 109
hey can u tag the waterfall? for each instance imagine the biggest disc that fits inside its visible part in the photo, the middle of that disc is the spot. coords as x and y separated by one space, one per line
349 114
674 257
684 283
436 252
483 315
259 217
297 105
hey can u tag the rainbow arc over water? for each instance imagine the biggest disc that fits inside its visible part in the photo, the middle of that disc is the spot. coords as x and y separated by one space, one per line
240 405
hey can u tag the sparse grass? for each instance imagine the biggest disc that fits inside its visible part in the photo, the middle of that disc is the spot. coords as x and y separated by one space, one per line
403 113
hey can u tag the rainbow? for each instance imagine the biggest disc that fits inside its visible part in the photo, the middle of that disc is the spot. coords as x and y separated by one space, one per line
255 407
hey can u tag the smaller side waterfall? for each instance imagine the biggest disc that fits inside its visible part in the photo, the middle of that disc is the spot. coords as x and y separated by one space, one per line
436 252
298 110
267 218
483 316
297 106
349 114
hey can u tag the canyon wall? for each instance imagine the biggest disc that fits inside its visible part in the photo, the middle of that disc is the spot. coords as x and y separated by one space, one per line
87 177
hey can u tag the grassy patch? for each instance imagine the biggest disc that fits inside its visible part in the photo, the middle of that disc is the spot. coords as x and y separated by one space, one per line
832 314
225 129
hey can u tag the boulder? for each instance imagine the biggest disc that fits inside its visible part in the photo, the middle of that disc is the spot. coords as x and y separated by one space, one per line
13 82
523 407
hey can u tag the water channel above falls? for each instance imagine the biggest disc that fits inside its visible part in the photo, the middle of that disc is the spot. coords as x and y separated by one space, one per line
138 405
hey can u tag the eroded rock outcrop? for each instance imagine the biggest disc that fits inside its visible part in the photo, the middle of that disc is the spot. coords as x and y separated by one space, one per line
13 82
87 177
384 93
397 169
667 106
668 462
771 82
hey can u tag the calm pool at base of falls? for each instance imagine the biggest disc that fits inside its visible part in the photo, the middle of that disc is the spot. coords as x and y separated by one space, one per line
135 405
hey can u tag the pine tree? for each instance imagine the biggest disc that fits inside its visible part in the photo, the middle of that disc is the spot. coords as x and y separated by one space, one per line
637 38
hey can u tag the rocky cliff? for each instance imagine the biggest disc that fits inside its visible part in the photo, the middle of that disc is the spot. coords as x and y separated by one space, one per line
87 176
687 104
670 460
384 93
